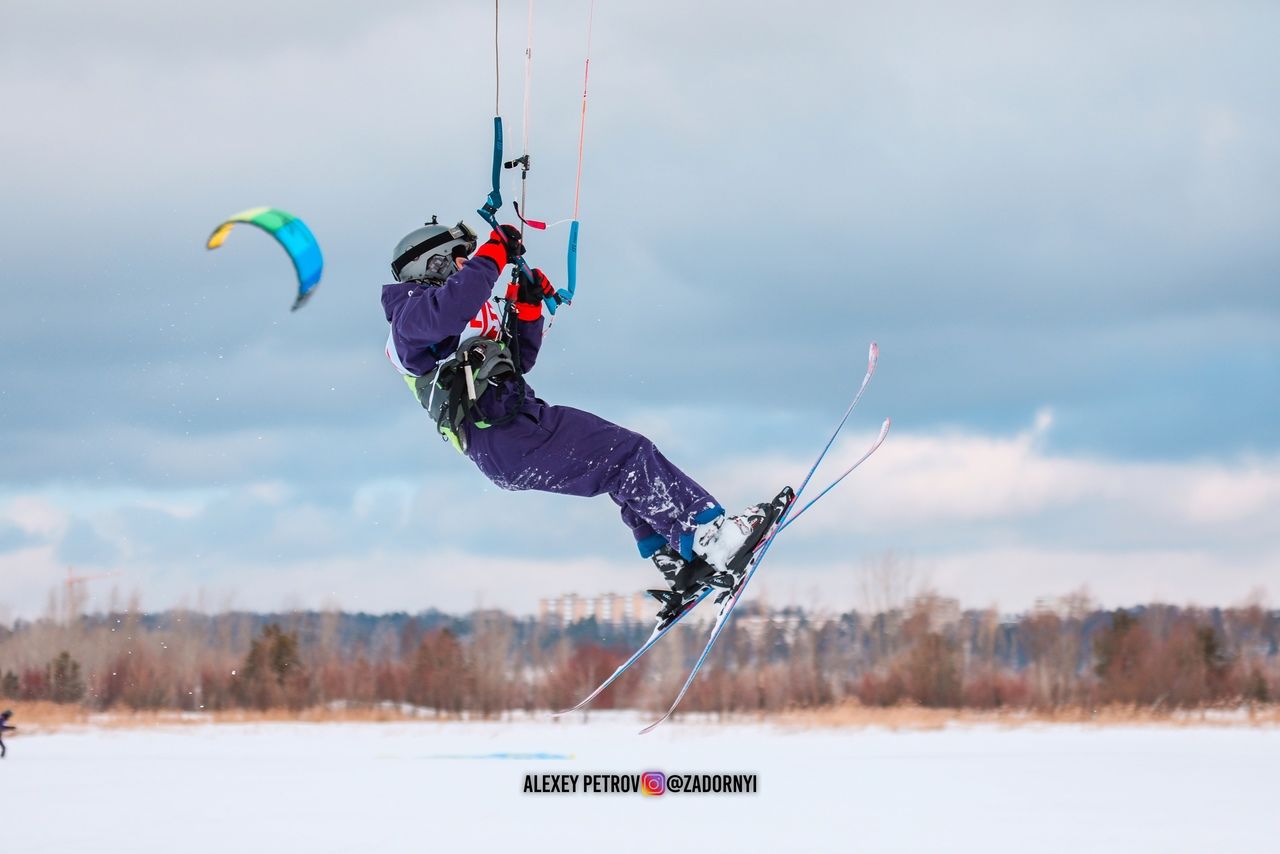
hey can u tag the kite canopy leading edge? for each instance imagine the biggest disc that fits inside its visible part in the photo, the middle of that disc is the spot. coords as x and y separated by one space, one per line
292 233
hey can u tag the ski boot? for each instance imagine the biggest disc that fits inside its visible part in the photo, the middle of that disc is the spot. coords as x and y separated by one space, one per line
728 543
686 579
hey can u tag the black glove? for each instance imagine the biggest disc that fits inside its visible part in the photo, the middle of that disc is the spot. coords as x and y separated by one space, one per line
533 289
510 238
503 246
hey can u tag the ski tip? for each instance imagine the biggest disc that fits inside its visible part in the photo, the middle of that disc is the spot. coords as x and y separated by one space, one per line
873 353
884 428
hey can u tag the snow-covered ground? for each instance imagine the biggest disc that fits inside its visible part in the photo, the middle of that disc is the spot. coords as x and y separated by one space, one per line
356 788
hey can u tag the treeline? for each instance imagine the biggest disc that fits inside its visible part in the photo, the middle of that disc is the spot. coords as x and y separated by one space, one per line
928 652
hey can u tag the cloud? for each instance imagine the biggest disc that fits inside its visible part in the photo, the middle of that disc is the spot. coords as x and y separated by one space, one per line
13 538
1028 208
83 544
948 486
989 517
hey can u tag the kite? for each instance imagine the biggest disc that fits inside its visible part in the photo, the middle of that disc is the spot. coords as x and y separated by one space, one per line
292 234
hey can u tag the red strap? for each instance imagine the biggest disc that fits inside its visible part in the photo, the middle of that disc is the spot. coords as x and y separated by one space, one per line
526 311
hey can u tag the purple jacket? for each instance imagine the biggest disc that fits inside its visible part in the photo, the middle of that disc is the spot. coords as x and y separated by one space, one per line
427 324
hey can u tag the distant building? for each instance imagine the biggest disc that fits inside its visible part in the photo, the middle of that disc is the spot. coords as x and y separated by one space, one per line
787 626
608 609
942 611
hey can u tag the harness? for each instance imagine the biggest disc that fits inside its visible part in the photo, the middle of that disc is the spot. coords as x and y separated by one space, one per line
452 391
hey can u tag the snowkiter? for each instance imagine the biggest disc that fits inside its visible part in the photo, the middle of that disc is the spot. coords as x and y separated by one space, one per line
4 725
467 369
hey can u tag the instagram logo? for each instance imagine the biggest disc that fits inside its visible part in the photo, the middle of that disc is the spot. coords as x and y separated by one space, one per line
653 783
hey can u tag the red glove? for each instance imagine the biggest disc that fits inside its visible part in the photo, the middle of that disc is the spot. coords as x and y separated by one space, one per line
529 294
502 246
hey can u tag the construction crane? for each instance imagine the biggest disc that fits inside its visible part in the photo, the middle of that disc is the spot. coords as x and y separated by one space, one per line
74 596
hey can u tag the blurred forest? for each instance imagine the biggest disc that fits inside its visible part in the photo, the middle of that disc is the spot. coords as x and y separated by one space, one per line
922 650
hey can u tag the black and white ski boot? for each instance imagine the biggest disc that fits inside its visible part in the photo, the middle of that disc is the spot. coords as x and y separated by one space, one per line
686 579
728 543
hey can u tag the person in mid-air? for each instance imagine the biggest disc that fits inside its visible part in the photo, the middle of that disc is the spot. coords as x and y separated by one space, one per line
4 725
466 367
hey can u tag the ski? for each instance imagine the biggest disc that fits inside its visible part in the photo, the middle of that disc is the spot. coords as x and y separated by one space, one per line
728 606
658 632
875 446
656 635
734 596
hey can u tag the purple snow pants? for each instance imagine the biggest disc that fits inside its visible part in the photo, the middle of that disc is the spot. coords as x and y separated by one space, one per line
568 451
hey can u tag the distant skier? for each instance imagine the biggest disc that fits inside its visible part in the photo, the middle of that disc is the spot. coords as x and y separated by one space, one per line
4 725
467 371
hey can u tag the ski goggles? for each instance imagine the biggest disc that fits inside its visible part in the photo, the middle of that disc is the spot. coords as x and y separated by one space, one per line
462 231
439 264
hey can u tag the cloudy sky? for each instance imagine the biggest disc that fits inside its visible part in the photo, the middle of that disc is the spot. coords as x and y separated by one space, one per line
1059 221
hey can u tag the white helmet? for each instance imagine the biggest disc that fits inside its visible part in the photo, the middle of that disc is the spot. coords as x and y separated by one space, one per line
426 254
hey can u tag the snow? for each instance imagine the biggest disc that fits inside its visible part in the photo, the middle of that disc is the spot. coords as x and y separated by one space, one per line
419 786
